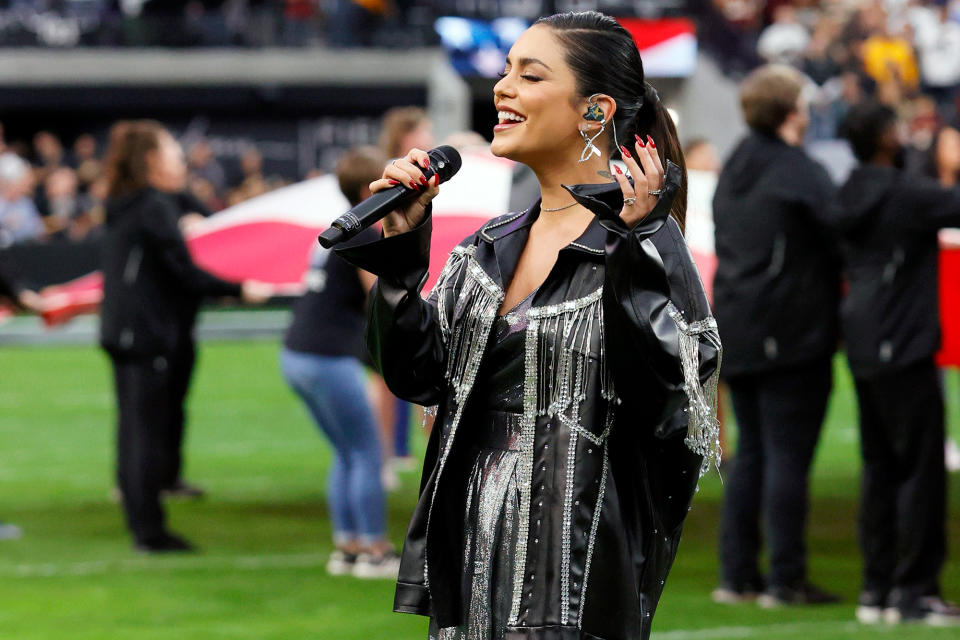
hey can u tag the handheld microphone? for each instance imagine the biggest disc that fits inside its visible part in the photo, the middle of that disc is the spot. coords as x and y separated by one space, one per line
444 161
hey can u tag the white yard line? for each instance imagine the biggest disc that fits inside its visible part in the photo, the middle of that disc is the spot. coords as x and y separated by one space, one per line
814 629
167 564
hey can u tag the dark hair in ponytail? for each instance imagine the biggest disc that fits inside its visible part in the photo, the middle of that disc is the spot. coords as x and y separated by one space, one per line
604 59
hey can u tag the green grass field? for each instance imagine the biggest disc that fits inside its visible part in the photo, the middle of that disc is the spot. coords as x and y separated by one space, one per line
264 533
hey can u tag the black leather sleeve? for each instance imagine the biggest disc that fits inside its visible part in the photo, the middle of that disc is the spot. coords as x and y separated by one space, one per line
403 334
642 300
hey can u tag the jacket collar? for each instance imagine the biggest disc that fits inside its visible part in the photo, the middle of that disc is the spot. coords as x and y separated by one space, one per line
508 237
515 228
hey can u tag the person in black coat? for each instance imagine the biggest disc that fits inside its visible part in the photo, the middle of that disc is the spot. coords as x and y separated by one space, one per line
16 294
889 223
150 293
776 293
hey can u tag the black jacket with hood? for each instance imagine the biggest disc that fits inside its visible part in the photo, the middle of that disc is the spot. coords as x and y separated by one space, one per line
151 286
889 222
776 289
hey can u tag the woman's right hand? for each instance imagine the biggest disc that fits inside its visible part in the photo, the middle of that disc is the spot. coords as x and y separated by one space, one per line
407 171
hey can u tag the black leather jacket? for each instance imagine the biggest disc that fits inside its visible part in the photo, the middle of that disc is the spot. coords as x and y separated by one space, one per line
609 462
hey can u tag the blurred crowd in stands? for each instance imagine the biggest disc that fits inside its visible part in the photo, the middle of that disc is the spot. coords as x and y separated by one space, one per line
270 23
904 53
189 23
52 191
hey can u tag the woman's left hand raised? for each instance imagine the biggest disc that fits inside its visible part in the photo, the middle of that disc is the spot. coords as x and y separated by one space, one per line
647 171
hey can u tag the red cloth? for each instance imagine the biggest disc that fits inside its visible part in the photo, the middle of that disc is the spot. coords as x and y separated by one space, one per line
950 307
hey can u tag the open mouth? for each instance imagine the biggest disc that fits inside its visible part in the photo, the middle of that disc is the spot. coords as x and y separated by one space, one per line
507 118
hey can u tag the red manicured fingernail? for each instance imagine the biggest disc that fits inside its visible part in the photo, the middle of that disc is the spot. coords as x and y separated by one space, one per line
618 169
436 179
652 143
414 185
424 182
623 150
393 182
425 163
639 140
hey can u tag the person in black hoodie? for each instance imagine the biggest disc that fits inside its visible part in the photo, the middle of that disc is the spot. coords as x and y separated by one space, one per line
775 299
889 223
151 289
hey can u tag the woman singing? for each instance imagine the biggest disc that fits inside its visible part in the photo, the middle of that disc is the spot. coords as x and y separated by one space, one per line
569 350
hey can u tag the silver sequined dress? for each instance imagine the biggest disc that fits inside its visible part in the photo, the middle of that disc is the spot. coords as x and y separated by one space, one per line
492 502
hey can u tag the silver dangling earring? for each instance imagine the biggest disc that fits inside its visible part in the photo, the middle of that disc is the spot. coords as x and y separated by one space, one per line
593 114
588 147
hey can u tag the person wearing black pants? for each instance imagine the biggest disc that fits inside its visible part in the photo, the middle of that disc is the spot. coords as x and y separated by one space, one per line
889 224
151 285
190 210
778 419
776 293
181 363
13 292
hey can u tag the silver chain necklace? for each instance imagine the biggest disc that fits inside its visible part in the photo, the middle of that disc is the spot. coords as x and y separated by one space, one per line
566 206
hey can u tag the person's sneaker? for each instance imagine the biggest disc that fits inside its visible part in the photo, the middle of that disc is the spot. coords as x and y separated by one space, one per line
341 563
180 490
929 610
389 478
167 543
385 565
804 594
871 606
403 464
730 594
9 531
951 455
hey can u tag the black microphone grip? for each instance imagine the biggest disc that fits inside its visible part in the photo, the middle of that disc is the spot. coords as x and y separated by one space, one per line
443 160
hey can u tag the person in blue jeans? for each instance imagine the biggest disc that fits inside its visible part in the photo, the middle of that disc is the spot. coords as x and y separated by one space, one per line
322 361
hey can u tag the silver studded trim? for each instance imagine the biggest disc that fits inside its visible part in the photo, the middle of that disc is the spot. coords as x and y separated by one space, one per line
703 429
557 350
525 465
439 294
567 521
565 307
589 435
444 286
593 526
476 308
494 225
598 252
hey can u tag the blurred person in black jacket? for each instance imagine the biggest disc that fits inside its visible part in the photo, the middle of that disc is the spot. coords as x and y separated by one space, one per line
776 292
889 223
16 294
151 292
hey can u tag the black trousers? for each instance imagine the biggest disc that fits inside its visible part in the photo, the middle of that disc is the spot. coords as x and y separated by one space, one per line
181 365
902 524
150 395
779 418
